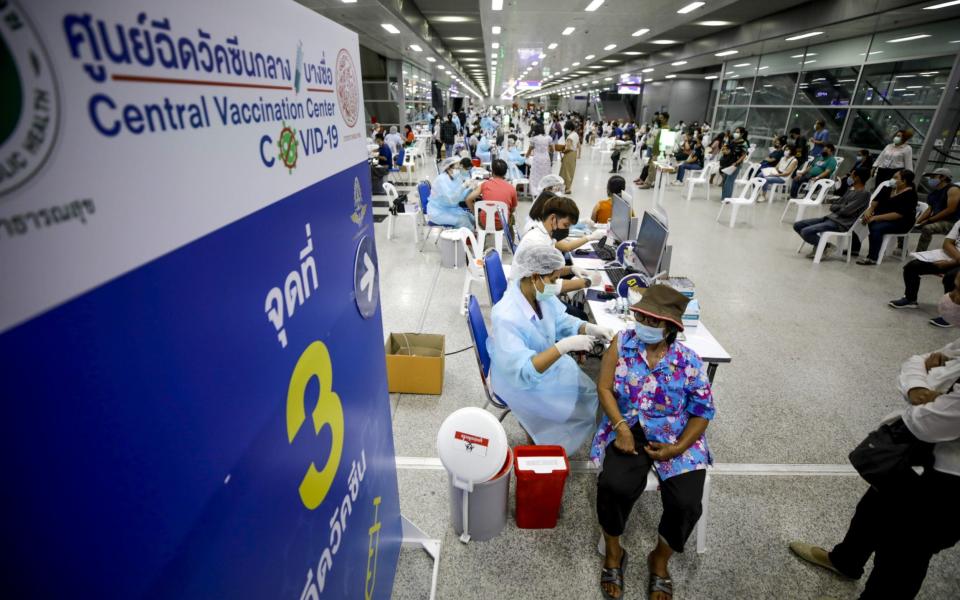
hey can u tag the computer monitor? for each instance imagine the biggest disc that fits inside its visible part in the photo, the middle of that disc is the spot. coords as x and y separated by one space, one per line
668 139
651 243
620 219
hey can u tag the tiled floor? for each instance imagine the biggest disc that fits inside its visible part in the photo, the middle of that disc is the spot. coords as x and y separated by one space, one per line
815 353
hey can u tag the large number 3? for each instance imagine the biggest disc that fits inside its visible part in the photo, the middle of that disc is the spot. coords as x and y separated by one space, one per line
315 362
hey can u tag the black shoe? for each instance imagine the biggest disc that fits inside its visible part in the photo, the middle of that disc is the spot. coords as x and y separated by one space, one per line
939 322
902 303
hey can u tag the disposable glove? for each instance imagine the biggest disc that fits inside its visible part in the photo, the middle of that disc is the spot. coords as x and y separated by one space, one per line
575 343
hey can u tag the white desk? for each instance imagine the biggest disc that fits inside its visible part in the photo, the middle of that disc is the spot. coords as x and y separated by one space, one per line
699 339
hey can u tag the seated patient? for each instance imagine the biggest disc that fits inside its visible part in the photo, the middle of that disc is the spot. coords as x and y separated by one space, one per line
843 214
554 400
657 402
446 194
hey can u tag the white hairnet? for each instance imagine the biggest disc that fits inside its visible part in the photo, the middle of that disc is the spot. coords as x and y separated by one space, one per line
448 162
539 259
550 181
393 129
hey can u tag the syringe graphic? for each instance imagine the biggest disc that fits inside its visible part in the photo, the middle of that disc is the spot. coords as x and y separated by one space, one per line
372 550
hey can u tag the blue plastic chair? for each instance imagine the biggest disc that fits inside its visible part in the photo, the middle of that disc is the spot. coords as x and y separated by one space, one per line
495 276
423 190
508 232
478 334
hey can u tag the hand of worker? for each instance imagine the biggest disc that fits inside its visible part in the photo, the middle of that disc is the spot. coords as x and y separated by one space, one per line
935 360
597 234
918 396
575 343
604 333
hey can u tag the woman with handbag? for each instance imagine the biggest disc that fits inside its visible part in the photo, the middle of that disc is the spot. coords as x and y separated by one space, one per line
911 518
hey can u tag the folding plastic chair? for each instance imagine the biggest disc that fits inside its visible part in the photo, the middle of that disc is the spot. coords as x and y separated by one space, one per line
814 197
747 197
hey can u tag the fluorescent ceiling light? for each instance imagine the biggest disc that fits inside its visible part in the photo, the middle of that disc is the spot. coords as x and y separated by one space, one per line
497 5
633 53
919 36
493 62
552 46
471 58
495 45
609 47
595 82
942 5
390 28
535 63
714 23
452 19
762 68
640 32
610 60
466 51
461 38
608 78
564 70
431 59
568 31
664 42
804 35
441 67
678 63
493 55
593 5
710 77
647 70
495 29
416 48
807 62
595 67
727 53
669 76
690 7
741 65
576 64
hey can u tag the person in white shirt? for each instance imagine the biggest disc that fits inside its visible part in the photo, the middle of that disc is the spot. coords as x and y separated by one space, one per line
944 262
394 140
895 156
903 528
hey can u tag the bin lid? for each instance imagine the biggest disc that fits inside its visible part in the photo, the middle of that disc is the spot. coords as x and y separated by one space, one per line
472 444
450 234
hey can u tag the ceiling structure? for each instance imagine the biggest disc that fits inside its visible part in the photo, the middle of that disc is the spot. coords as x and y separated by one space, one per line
535 42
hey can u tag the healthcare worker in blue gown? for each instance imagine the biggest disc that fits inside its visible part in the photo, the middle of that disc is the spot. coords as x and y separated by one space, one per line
532 335
446 195
483 150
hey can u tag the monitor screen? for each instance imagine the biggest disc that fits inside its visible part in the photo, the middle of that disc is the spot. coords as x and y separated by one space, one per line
651 242
624 89
667 140
620 219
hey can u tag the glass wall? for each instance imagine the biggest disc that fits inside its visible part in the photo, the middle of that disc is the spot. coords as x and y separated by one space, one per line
864 89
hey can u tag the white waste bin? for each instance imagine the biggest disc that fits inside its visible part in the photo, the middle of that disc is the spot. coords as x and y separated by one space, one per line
452 254
473 448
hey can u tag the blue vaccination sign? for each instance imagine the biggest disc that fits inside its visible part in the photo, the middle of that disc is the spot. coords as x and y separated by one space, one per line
194 379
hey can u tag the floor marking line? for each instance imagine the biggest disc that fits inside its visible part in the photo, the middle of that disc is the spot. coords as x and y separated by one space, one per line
415 463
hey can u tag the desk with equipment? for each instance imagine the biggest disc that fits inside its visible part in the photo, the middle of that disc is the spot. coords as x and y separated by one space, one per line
639 262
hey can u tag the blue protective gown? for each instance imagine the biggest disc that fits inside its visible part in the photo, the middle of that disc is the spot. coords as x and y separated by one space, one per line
558 406
443 205
514 161
483 150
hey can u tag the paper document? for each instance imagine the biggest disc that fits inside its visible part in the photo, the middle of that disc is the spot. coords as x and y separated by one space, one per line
541 464
930 255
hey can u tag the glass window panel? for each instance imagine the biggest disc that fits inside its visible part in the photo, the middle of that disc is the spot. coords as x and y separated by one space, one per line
941 35
908 82
736 89
804 118
387 113
873 128
780 62
829 87
375 90
765 123
836 54
775 89
730 117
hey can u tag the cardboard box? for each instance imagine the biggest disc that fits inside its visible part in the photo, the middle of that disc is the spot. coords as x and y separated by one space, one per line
415 363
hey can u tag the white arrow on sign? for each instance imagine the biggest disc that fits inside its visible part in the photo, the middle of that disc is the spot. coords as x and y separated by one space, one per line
366 282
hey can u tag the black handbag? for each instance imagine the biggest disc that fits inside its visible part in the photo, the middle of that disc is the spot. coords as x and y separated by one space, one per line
399 204
886 457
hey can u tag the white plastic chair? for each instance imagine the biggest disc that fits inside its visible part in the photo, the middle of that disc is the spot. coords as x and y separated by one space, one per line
747 197
844 238
653 485
890 237
814 197
490 211
701 177
474 272
606 148
747 172
409 165
412 213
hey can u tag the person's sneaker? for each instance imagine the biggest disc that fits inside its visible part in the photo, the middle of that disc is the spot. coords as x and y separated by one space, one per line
812 253
866 261
814 555
828 250
939 322
902 303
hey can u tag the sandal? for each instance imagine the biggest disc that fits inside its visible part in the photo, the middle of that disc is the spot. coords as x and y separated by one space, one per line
613 575
664 585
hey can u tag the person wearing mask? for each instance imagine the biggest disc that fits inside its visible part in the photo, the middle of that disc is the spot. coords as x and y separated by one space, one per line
517 166
843 215
798 142
448 191
538 156
821 137
693 162
459 123
409 137
944 262
863 160
496 189
622 146
774 156
785 169
822 167
394 140
903 526
657 403
894 210
662 124
384 152
484 152
569 150
895 156
550 224
604 209
437 142
944 207
531 337
731 157
448 135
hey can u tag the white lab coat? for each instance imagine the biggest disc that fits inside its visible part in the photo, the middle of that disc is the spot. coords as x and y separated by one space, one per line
558 406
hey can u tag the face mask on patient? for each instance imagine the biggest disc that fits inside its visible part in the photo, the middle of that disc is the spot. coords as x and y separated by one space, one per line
648 334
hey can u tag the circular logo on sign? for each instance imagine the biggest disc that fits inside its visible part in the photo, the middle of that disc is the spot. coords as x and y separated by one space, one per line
31 113
366 278
348 89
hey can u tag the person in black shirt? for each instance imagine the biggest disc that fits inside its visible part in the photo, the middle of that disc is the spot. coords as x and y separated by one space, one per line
799 143
894 210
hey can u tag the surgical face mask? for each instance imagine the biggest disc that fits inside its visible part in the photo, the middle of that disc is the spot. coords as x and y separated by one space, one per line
550 290
736 135
933 181
892 183
849 180
560 234
786 153
648 334
949 310
898 140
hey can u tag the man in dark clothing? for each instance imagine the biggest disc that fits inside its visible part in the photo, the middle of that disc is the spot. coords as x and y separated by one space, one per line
799 143
843 214
448 135
384 154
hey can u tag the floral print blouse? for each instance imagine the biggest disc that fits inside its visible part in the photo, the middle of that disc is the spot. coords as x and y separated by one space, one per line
662 400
